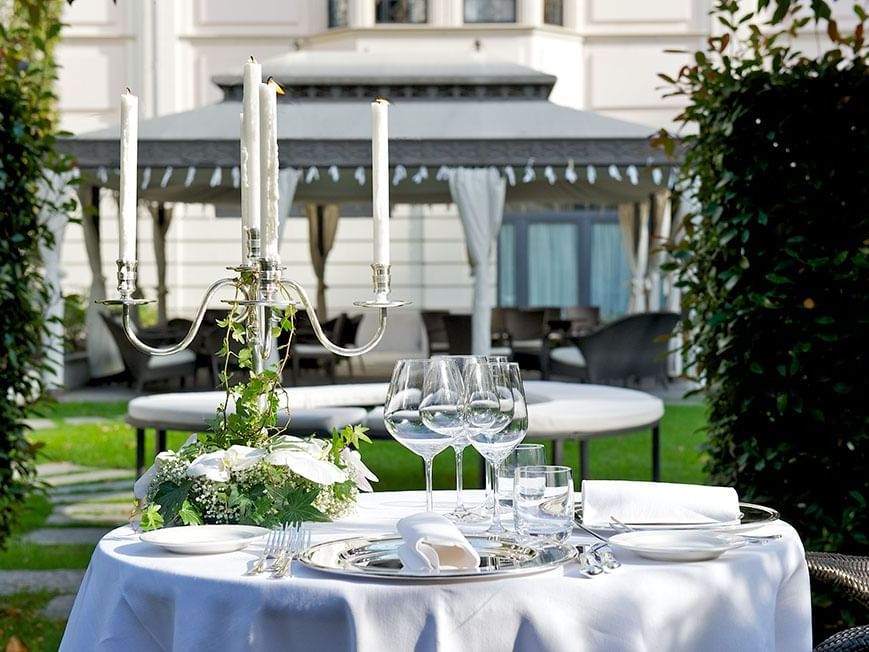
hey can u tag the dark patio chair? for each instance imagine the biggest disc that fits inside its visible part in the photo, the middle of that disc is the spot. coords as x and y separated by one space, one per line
306 352
583 319
628 349
527 329
142 368
851 574
458 329
436 331
347 339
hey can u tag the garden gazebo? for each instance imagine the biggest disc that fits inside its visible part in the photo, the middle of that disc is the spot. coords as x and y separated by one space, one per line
471 130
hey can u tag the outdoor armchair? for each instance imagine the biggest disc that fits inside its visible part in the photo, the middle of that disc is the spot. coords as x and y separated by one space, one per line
851 574
630 348
142 367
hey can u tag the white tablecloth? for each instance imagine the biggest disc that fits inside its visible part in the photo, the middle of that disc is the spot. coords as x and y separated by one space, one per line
137 597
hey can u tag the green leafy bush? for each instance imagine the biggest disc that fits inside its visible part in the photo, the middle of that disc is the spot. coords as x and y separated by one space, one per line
775 270
27 138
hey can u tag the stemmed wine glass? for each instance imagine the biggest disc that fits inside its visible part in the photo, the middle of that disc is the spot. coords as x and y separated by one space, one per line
403 416
489 411
460 513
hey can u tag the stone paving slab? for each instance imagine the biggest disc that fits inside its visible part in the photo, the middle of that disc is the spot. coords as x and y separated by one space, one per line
89 476
103 513
18 581
94 489
81 421
38 423
55 535
60 468
94 497
59 607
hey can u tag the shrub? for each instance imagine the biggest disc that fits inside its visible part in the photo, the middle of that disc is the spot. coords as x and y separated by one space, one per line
775 270
27 138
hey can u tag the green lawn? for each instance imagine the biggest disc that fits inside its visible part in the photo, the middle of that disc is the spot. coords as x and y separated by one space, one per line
112 445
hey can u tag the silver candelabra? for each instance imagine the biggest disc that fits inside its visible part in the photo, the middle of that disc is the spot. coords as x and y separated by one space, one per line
259 282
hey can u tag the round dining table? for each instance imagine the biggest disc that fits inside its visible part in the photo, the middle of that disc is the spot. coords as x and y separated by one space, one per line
136 596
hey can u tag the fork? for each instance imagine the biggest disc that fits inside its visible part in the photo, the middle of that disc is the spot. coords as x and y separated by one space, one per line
298 543
271 547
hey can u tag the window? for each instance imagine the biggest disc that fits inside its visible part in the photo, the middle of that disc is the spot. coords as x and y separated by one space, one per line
338 12
563 259
553 12
401 11
490 11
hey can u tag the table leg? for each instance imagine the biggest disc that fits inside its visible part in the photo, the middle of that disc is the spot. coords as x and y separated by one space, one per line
160 443
656 452
558 452
583 459
140 451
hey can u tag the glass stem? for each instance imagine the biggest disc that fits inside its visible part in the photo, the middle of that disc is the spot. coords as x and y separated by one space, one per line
460 506
429 506
496 512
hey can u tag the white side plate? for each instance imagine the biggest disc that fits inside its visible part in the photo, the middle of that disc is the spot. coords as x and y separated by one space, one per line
675 545
204 539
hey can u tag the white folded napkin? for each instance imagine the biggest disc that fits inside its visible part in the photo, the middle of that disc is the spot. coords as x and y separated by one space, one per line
432 543
656 502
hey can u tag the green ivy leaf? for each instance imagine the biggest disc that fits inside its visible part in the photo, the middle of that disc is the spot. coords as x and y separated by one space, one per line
188 514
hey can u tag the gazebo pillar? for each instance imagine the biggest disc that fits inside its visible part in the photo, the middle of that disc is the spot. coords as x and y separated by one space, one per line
446 13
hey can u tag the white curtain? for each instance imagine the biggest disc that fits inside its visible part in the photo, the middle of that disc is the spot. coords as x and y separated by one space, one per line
635 235
658 252
320 243
55 192
160 231
103 355
288 179
479 195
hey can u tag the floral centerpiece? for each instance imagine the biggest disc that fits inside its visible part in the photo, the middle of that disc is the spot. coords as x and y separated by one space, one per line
246 469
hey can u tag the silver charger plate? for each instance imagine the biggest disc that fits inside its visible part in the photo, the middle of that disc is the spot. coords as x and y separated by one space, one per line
377 557
751 516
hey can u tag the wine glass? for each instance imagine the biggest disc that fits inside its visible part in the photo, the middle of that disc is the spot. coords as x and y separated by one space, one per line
402 418
489 411
441 405
534 454
460 513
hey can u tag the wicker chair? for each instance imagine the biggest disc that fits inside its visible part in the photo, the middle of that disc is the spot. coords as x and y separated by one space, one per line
851 574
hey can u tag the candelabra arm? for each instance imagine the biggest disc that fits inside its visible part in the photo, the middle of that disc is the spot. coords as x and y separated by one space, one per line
321 336
191 333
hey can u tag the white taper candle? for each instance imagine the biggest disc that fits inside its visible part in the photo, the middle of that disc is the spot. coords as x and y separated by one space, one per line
268 106
129 176
250 150
380 178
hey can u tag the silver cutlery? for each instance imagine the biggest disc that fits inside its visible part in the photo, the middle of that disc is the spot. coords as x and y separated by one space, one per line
298 541
605 558
747 538
269 550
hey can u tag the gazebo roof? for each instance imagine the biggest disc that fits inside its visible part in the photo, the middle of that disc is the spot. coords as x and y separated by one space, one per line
447 111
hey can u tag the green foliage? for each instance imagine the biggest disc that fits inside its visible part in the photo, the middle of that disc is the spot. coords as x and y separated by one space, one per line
27 140
775 267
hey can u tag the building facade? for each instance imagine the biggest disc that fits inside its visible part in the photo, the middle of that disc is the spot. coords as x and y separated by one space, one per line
605 54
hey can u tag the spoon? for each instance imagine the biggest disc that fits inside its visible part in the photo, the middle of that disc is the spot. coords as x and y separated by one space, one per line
606 557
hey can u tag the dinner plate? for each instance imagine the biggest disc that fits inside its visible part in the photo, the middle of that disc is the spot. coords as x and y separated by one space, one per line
204 539
751 516
378 557
675 545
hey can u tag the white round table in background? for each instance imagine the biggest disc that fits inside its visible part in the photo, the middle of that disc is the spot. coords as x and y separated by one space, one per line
557 411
